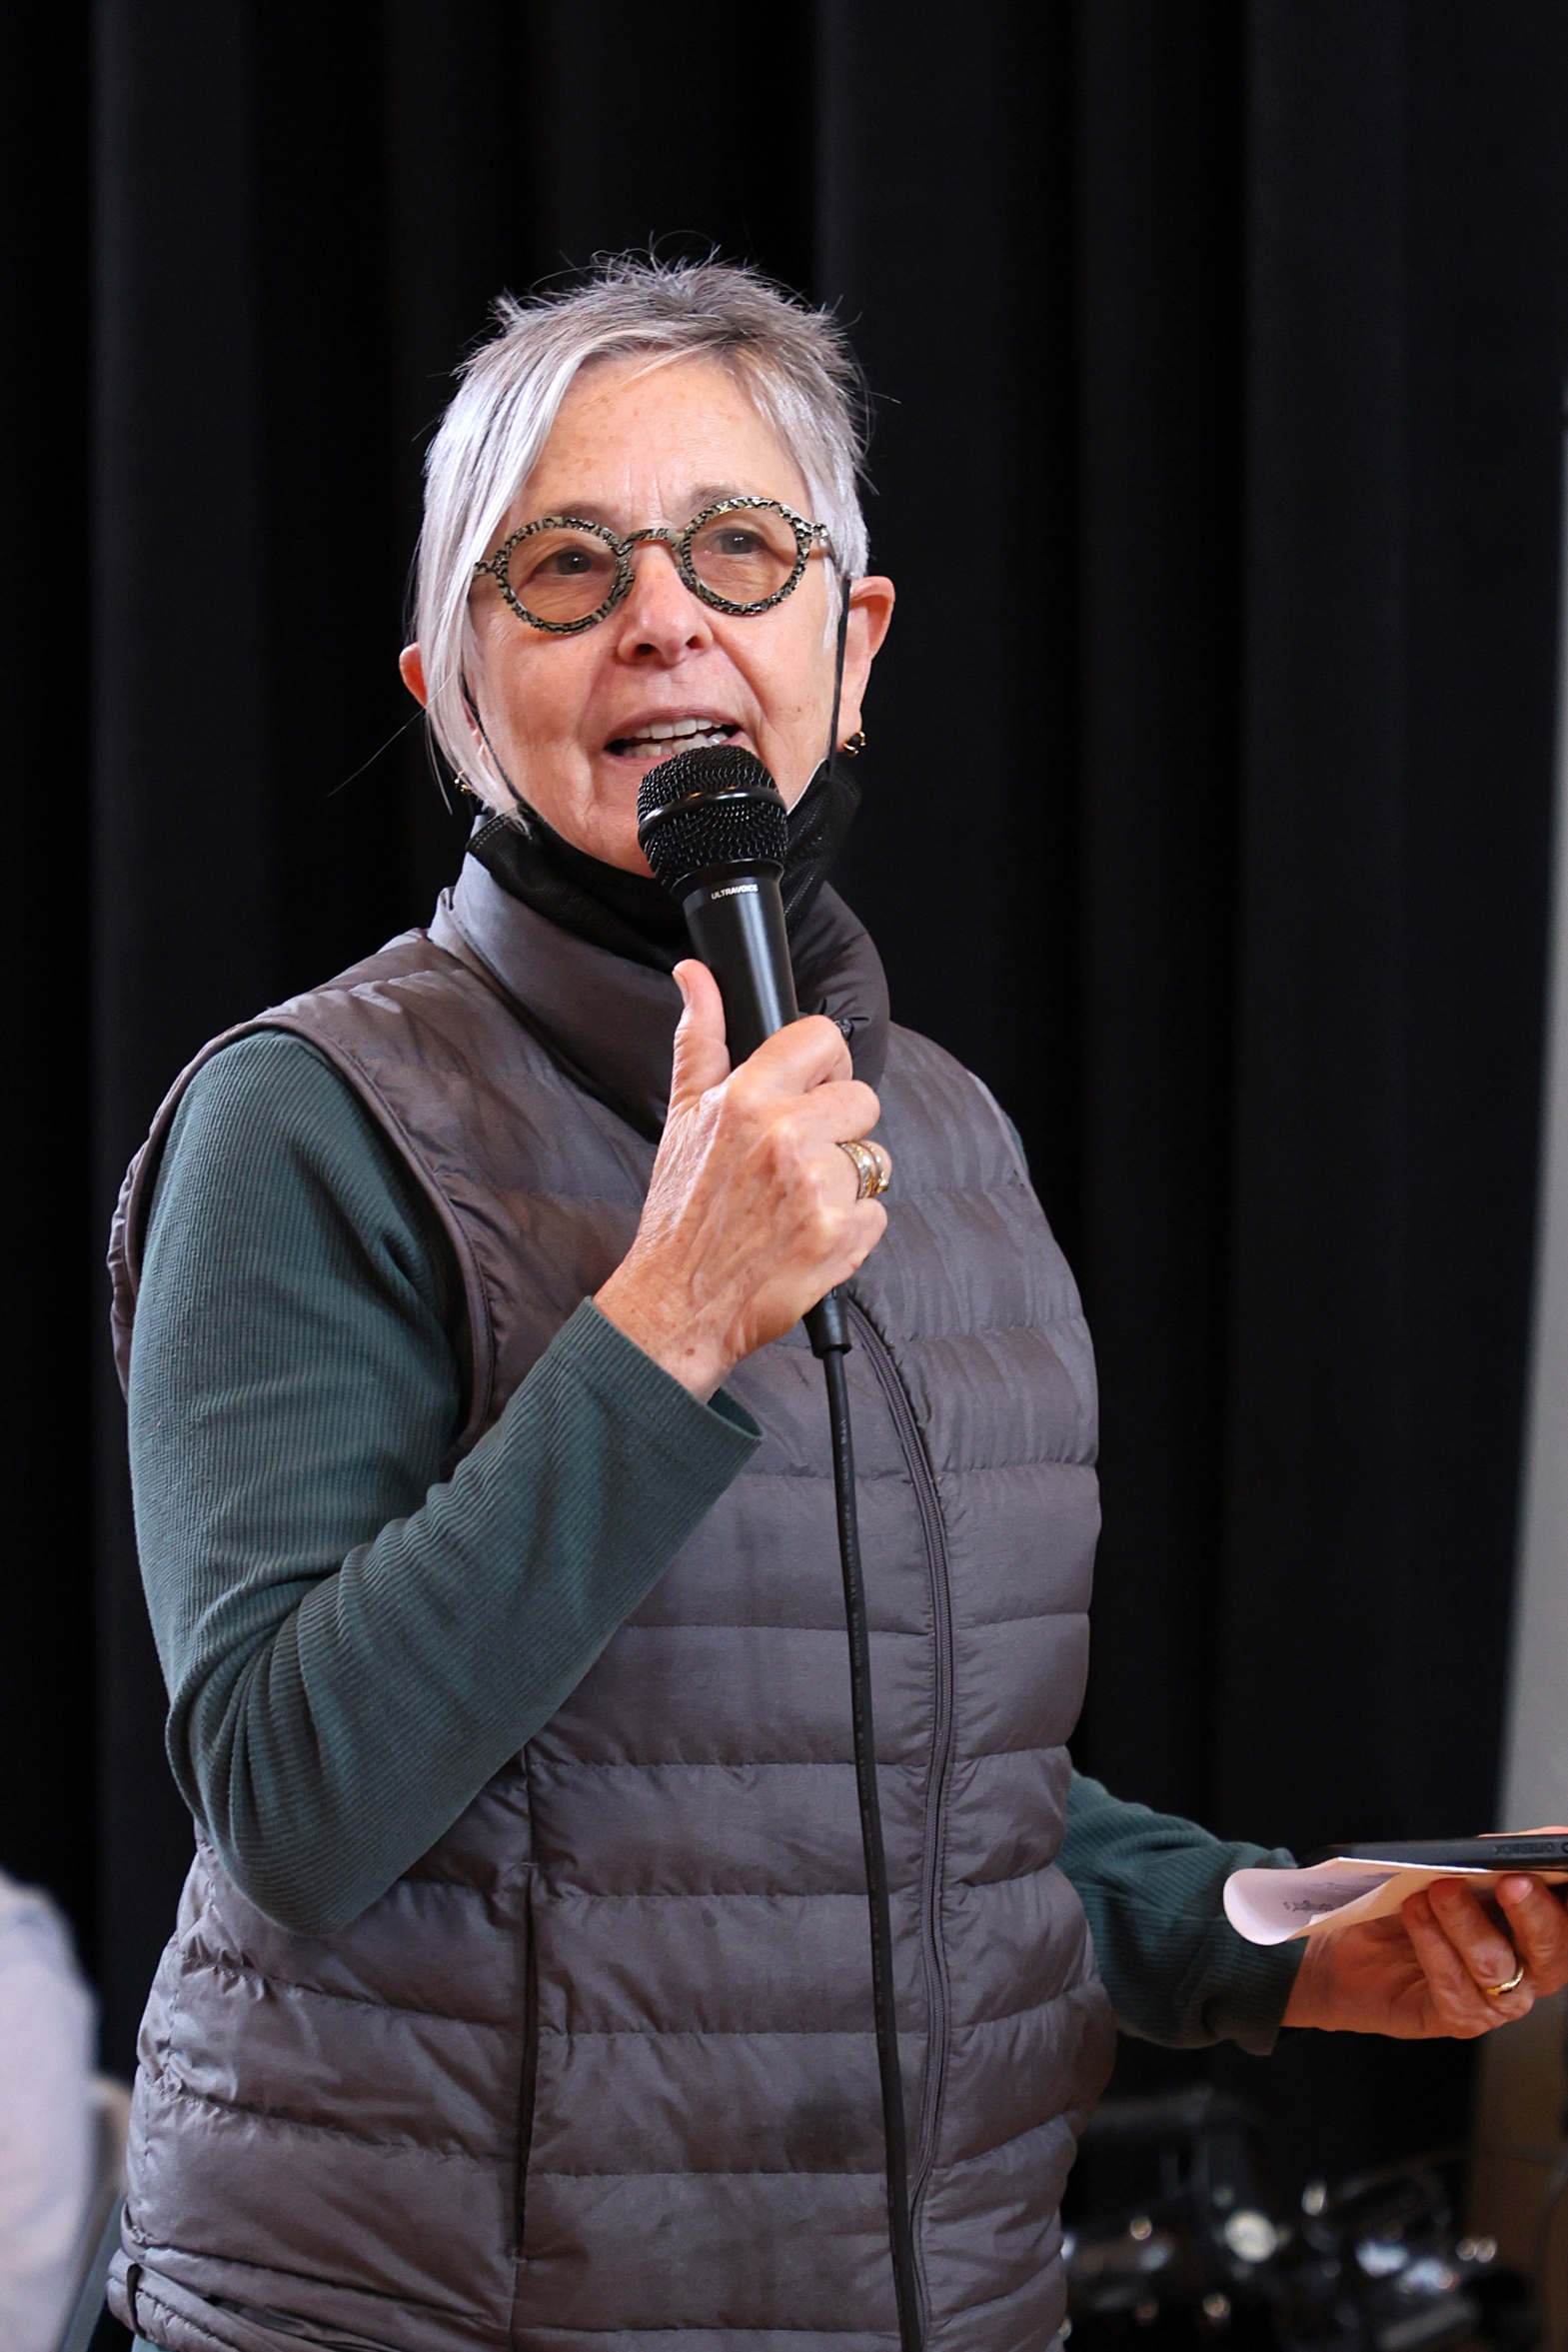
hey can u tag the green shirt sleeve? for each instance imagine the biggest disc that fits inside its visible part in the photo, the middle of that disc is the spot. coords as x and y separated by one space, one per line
1151 1886
351 1645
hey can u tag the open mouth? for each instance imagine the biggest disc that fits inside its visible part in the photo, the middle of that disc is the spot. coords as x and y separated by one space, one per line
663 737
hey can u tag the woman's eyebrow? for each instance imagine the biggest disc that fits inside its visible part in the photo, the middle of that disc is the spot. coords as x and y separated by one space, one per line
587 510
708 494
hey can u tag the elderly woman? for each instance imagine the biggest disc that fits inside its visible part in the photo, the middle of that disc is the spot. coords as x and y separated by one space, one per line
519 1993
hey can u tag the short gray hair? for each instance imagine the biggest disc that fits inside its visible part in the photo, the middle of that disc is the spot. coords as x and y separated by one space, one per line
794 361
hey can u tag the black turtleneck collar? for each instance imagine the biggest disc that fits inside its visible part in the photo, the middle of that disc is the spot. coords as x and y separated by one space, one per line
630 914
611 1021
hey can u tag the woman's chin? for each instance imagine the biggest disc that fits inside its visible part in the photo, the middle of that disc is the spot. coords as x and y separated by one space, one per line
606 829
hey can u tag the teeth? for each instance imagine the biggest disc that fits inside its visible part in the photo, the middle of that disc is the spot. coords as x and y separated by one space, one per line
680 729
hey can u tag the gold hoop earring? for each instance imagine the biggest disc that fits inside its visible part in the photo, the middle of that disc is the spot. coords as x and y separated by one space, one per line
854 744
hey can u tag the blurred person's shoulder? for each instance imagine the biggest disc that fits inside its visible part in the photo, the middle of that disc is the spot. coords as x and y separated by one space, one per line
27 1915
33 1933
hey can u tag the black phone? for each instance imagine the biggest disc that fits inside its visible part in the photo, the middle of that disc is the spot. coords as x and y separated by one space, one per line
1540 1850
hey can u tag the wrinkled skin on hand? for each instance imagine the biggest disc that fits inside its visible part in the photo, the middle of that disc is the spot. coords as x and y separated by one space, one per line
752 1211
1424 1973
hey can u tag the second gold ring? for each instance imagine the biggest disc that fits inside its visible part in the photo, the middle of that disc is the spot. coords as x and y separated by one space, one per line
871 1166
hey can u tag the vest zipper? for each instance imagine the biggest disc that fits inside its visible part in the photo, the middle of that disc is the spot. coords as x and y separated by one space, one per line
527 2087
933 1951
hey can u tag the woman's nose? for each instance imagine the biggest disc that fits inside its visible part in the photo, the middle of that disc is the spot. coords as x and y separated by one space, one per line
659 616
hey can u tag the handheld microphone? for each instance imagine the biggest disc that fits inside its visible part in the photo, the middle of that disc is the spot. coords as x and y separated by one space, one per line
716 832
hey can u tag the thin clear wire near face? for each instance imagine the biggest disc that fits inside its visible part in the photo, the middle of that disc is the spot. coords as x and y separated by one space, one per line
743 555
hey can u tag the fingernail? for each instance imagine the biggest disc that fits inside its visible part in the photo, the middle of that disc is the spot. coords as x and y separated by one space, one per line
680 980
1513 1891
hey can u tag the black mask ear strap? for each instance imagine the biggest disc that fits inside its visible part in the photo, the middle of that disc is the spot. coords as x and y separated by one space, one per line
472 711
822 815
843 637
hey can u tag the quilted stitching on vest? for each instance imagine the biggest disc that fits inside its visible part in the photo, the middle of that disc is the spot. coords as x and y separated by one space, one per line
600 2071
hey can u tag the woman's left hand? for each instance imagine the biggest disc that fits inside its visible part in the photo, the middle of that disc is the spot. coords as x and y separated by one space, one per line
1424 1971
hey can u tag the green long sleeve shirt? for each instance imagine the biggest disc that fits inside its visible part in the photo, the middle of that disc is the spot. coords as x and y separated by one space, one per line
353 1645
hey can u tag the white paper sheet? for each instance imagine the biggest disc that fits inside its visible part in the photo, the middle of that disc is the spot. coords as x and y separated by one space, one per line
1272 1906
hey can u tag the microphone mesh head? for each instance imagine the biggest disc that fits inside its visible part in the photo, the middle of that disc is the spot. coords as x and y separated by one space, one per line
715 807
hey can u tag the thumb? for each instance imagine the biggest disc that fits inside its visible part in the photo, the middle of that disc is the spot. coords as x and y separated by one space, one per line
702 1058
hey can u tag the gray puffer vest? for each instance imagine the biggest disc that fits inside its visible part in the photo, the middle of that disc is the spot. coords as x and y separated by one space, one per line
598 2073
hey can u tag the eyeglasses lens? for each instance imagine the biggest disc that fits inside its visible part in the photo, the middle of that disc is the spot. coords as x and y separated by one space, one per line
745 555
560 575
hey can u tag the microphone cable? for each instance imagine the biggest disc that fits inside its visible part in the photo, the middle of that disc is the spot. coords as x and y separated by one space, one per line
828 1326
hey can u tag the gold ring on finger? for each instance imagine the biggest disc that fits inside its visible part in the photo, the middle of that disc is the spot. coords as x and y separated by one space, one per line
1495 1992
871 1168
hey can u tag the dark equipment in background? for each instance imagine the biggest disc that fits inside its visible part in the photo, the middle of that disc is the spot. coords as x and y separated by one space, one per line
1176 2238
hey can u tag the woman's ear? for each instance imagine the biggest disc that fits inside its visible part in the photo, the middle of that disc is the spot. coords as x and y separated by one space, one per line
410 668
870 615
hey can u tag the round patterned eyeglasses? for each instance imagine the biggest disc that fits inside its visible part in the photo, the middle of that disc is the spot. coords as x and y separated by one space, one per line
743 555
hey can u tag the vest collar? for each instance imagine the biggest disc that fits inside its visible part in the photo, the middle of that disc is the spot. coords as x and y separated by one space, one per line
610 1022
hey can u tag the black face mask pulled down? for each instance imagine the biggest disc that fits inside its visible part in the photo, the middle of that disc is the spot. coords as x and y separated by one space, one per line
631 913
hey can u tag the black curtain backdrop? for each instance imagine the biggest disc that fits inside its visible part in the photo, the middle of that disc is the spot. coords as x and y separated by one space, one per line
1208 817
